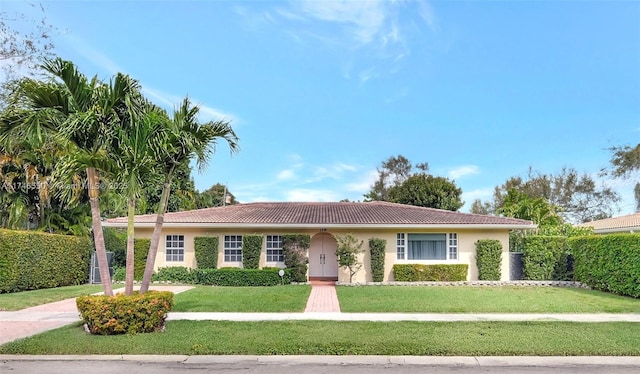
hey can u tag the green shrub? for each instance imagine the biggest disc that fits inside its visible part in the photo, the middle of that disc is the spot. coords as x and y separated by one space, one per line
116 241
546 258
294 248
141 250
32 260
608 262
241 277
377 247
206 251
119 274
488 259
120 314
430 273
251 248
174 274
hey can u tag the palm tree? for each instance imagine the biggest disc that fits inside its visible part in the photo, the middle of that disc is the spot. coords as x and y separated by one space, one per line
186 139
84 113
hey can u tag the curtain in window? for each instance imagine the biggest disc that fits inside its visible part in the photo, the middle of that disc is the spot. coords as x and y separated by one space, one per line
427 247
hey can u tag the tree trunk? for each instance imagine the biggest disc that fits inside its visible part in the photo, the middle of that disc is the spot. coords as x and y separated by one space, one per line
130 266
155 238
98 237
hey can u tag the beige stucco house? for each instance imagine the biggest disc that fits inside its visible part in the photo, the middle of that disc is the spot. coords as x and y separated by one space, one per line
413 234
628 223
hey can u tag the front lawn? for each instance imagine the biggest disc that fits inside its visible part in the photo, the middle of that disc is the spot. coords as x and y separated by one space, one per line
26 299
346 338
290 298
463 299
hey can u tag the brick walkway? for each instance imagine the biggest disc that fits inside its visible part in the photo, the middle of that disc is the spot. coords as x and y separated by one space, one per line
323 299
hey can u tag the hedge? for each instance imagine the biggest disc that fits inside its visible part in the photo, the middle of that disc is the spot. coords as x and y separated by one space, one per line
116 241
546 258
140 251
120 314
488 259
430 273
251 248
224 276
608 262
32 260
206 251
377 247
294 248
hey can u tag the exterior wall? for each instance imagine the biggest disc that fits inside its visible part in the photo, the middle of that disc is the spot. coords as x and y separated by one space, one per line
466 248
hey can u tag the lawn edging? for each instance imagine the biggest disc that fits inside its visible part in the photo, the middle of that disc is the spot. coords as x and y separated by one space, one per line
523 283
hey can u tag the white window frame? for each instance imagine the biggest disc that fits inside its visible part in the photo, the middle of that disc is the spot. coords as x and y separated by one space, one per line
174 248
273 243
452 246
232 245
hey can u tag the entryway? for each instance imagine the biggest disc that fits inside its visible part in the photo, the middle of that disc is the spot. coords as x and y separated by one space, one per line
323 262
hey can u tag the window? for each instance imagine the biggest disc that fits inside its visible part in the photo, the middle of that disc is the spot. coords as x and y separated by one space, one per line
453 246
174 248
274 248
400 245
427 246
233 248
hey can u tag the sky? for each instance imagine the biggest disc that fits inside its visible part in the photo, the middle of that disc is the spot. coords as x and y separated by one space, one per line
321 92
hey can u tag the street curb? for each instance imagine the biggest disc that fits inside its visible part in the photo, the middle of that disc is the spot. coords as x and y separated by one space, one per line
460 361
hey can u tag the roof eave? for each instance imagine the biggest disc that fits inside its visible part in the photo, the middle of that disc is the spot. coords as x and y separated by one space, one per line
504 226
629 229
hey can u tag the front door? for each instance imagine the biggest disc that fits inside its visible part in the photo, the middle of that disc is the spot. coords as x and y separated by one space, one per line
323 262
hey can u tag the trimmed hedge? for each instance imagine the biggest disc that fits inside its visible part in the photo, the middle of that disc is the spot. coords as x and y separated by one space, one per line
430 273
377 247
294 248
546 258
32 260
251 248
223 276
116 241
120 314
206 251
488 259
609 262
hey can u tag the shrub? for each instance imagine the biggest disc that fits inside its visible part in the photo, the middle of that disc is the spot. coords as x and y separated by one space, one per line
546 258
206 251
430 273
251 248
608 262
174 274
141 250
119 274
116 241
377 247
488 259
120 314
241 277
347 252
294 247
32 260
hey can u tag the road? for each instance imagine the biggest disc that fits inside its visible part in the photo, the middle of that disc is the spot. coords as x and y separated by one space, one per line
284 366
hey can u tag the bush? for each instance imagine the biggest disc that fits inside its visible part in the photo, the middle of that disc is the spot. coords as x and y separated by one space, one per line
608 262
241 277
251 248
430 273
546 258
206 251
116 241
119 274
294 248
32 260
377 247
174 274
488 259
120 314
141 250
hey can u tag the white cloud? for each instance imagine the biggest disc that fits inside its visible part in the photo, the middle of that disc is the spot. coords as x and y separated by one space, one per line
207 113
305 194
428 15
96 57
286 174
462 171
364 183
479 193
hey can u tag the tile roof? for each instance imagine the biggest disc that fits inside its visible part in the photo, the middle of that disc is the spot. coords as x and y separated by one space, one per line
328 213
626 223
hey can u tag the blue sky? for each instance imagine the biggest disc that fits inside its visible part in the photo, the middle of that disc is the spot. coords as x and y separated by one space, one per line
320 92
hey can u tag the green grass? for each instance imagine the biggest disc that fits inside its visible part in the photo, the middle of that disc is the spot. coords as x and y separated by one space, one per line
26 299
482 300
342 338
243 299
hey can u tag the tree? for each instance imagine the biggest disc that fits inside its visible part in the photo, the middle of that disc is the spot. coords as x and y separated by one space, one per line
187 139
480 207
216 195
425 190
392 172
625 163
347 252
577 196
84 115
519 205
